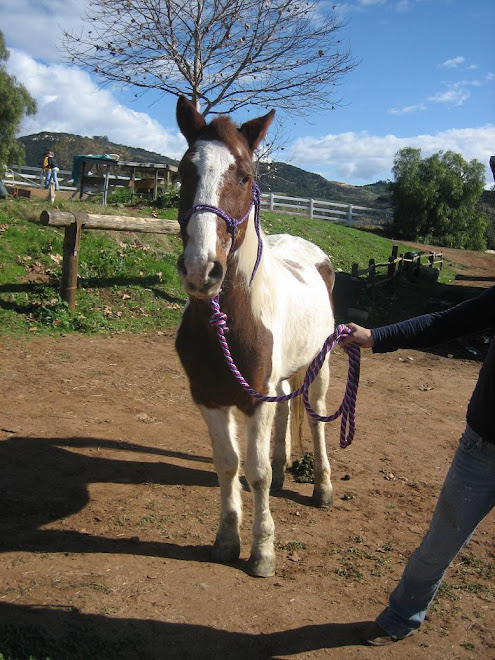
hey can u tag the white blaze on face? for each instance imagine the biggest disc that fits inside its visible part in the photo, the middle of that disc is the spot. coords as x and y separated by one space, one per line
212 160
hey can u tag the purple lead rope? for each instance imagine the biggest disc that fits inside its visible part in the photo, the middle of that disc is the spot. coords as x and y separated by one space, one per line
347 408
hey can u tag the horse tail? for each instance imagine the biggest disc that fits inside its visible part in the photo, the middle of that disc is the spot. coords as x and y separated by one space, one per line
297 412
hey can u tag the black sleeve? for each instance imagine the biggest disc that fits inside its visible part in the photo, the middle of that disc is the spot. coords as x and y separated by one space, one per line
422 331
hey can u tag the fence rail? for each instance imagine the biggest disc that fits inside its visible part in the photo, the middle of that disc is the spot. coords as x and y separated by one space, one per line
320 209
35 178
409 263
350 214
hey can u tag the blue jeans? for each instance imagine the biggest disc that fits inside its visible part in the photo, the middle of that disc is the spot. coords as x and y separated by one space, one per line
52 176
467 496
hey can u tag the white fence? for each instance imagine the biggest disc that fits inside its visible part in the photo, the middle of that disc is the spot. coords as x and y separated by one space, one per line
34 177
349 214
316 208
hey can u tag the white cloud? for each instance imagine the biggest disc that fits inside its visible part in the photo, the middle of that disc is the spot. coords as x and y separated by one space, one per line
70 102
453 62
358 157
35 26
456 94
406 110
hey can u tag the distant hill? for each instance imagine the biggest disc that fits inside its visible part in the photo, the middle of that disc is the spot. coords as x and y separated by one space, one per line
66 146
284 178
274 177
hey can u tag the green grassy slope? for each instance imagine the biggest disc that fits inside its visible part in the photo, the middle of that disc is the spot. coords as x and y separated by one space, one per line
127 281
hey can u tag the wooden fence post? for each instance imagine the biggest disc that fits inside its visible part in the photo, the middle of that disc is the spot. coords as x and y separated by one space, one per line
391 261
349 214
271 201
68 283
372 271
311 208
355 271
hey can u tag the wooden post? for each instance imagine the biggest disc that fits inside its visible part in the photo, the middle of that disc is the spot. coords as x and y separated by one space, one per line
83 171
391 261
68 283
371 277
349 214
431 259
105 184
372 271
311 208
155 186
271 201
355 271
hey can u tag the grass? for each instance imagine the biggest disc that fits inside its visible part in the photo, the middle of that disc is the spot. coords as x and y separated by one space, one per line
127 281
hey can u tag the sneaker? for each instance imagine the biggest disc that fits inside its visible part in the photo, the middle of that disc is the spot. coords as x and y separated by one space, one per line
375 635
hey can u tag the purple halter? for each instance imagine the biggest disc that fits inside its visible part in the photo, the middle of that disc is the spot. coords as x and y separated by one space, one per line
232 223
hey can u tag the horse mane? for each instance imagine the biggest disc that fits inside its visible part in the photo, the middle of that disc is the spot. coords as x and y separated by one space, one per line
224 130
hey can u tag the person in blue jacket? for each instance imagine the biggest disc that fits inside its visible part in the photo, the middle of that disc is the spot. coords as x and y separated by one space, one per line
468 493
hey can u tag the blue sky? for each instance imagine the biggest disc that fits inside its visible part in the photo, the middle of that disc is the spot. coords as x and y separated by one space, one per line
426 78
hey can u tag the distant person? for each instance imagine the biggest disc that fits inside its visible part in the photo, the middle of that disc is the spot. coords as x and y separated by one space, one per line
53 169
468 493
46 169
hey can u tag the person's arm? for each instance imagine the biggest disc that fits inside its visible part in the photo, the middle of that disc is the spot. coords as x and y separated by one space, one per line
422 331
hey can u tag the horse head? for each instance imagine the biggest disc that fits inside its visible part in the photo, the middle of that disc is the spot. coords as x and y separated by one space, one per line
216 194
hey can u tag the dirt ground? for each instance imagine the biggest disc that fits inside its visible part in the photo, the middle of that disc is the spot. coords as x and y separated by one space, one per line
109 505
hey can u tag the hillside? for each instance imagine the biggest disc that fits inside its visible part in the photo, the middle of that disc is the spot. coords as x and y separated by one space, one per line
273 177
287 179
67 145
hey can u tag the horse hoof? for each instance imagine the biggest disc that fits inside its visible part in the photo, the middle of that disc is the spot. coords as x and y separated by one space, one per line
322 500
264 567
278 478
224 553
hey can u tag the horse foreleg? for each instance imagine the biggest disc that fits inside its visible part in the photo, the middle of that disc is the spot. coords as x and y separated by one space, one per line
323 490
223 433
258 473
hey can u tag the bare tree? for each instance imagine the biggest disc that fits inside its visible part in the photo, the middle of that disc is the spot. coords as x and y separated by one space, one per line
223 54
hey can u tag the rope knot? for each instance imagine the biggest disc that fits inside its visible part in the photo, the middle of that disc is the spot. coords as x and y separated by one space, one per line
218 319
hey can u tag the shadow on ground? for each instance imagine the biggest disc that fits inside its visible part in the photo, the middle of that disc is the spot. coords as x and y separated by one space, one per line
61 633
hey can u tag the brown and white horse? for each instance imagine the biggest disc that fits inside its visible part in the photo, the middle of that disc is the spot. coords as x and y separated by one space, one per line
277 324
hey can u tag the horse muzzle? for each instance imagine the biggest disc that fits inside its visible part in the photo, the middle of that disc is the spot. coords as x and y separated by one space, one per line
199 280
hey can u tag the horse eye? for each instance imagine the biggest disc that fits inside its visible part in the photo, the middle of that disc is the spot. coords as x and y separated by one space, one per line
245 180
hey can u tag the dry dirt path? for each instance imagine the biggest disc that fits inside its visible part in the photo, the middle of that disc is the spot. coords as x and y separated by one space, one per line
109 504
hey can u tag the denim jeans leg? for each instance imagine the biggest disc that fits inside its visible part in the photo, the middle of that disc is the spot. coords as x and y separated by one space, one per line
467 496
53 177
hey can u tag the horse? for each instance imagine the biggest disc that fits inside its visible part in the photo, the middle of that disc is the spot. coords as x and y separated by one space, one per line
276 292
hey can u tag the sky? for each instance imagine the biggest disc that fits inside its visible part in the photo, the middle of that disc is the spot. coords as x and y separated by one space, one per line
425 78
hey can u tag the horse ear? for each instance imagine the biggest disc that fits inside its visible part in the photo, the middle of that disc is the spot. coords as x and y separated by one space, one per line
190 121
255 130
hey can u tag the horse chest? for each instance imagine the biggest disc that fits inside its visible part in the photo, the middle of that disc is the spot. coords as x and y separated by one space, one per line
211 382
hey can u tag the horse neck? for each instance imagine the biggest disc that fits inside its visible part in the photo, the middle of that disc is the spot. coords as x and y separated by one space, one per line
259 294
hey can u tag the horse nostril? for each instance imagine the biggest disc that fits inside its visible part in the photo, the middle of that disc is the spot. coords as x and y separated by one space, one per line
216 272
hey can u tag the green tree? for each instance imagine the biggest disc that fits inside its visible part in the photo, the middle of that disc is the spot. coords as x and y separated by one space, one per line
15 102
436 199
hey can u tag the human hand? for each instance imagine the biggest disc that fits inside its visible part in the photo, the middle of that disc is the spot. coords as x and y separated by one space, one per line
359 335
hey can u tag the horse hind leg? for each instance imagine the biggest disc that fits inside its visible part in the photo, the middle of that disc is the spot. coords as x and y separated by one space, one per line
289 416
223 433
323 490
